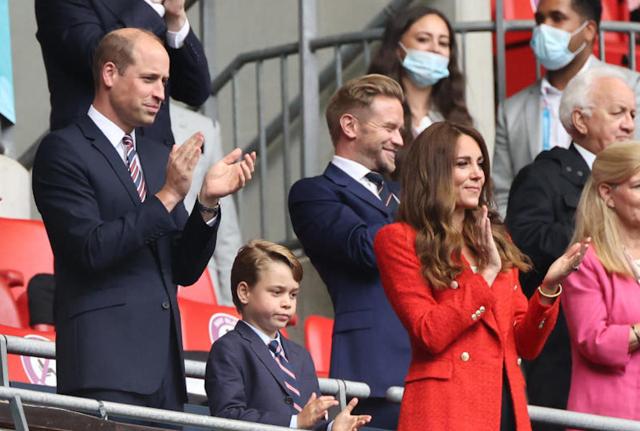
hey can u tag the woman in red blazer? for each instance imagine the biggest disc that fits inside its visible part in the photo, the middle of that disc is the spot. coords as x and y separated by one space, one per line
450 271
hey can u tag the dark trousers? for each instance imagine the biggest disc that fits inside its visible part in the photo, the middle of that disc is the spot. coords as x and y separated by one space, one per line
384 414
169 396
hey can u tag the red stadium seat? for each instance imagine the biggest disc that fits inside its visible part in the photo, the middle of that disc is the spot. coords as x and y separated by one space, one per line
24 249
202 324
9 311
317 338
201 291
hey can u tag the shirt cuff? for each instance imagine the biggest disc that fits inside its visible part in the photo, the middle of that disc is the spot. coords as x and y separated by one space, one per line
175 39
211 222
157 7
294 422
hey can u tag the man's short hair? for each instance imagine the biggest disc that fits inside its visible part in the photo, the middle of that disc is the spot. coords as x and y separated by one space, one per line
589 9
255 257
117 47
358 93
578 94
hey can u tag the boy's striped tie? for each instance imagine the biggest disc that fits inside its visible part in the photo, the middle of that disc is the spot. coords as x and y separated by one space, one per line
287 374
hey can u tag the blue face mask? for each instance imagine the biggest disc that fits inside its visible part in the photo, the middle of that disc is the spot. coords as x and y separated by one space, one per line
551 46
423 67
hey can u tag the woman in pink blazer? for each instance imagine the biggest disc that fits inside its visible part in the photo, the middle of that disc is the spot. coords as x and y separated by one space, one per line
601 300
450 271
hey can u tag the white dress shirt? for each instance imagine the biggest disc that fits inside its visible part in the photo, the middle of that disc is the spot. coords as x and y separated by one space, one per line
356 171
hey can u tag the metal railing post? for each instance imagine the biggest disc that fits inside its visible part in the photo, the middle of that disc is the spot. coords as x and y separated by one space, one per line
207 37
4 362
308 87
500 52
17 413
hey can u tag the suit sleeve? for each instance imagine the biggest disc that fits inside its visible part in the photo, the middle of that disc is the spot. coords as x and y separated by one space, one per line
226 387
502 171
72 29
433 324
67 201
588 319
329 228
535 228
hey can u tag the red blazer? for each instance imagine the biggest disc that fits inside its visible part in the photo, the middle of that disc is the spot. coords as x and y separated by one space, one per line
462 338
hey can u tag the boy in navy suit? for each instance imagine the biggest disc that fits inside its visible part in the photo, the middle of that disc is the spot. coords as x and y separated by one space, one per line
255 374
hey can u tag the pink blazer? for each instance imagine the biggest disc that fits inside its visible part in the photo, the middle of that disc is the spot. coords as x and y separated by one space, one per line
599 308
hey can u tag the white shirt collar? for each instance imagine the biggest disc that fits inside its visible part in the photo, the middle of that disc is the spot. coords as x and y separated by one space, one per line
264 337
352 168
113 133
587 155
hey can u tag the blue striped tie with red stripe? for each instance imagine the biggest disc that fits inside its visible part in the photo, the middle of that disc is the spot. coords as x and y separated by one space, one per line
287 374
133 162
388 198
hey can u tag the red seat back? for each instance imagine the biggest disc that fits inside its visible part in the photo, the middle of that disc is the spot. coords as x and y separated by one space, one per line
25 248
318 332
201 291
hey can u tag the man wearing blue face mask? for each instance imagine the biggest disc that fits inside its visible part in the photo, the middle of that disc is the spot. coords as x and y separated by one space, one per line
528 121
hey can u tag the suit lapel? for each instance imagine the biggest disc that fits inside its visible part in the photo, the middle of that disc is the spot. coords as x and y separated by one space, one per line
341 178
102 144
262 352
532 115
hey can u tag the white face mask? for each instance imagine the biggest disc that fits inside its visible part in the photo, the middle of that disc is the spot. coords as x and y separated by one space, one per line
551 45
423 67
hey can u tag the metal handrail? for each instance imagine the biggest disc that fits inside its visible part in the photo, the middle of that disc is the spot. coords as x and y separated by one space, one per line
108 408
195 369
563 418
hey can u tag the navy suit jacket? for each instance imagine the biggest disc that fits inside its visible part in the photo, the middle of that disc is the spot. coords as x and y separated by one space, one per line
336 219
244 382
69 32
117 260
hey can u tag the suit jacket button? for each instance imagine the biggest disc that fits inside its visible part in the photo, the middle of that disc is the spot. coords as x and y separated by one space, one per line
454 284
288 400
482 309
474 317
519 361
165 305
465 356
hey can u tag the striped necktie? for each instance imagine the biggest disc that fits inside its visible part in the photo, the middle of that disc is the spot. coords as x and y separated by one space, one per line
387 197
287 374
133 162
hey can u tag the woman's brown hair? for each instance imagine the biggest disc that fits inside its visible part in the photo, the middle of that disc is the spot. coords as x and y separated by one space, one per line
427 203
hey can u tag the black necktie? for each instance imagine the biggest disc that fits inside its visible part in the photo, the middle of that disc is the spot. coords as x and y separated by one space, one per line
387 197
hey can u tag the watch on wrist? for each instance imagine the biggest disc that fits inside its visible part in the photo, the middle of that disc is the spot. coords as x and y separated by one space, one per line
213 211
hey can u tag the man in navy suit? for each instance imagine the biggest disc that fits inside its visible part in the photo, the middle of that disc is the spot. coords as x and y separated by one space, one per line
336 216
111 201
69 31
253 372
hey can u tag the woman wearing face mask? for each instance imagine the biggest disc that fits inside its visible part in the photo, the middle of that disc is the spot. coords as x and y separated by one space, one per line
450 272
419 51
